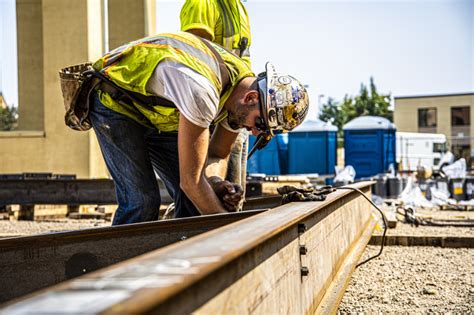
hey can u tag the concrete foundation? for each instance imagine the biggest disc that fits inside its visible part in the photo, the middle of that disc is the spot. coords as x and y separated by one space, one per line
53 34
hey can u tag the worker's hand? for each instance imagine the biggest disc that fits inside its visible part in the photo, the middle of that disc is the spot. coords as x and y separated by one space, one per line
230 194
234 196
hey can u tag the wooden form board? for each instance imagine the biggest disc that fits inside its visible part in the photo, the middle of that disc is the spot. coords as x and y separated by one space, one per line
251 266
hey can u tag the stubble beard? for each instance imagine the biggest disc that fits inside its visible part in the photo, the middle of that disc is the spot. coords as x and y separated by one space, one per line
236 119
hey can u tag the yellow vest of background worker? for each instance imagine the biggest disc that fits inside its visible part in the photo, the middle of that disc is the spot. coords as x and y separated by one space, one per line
131 66
226 21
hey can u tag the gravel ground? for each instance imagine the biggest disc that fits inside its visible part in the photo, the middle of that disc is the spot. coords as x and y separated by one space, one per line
416 279
413 280
19 228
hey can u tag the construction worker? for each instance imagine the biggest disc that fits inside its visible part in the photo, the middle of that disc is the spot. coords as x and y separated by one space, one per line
153 110
227 24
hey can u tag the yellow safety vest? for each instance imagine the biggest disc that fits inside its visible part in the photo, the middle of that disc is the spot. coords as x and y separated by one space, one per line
130 67
227 22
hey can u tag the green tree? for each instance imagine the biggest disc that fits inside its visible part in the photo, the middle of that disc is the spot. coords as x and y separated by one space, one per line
332 112
370 102
8 118
367 102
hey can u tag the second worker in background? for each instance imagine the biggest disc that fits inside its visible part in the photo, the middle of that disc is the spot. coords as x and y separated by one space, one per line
225 22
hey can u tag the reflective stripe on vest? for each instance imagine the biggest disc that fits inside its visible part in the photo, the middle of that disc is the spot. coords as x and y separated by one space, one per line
172 43
173 46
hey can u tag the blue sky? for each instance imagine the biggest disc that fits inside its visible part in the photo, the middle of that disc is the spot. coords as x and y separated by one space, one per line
409 47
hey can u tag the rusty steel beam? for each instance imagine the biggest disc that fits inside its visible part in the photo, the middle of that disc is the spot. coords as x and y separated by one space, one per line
281 260
57 191
33 262
33 191
265 202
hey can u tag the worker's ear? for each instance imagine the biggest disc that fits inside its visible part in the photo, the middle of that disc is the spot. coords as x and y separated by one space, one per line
251 98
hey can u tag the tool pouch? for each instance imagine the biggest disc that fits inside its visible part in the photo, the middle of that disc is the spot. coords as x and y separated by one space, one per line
77 85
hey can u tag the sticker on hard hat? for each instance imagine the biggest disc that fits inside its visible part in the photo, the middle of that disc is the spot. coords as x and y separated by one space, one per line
280 116
280 98
284 80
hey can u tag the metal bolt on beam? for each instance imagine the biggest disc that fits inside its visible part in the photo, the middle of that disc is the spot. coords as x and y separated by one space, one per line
303 250
301 228
304 271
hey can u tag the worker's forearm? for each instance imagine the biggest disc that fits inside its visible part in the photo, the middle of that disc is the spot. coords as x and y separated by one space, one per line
193 145
203 197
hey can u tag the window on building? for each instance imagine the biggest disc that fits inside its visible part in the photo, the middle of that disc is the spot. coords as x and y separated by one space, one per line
460 116
427 117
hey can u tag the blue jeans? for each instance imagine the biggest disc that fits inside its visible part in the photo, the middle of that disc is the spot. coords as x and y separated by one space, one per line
133 153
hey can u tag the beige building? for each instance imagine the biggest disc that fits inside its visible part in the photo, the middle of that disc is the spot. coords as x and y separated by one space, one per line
3 104
449 114
52 34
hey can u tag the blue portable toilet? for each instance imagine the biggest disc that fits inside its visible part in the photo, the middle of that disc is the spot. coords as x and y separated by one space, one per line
369 145
282 140
312 148
271 160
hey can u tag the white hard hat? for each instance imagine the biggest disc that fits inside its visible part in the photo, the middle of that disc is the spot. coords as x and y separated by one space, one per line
284 101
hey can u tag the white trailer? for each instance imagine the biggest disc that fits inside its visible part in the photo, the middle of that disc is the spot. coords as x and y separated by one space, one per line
419 149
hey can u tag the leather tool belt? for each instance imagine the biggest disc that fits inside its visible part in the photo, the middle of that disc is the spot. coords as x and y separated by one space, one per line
77 88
